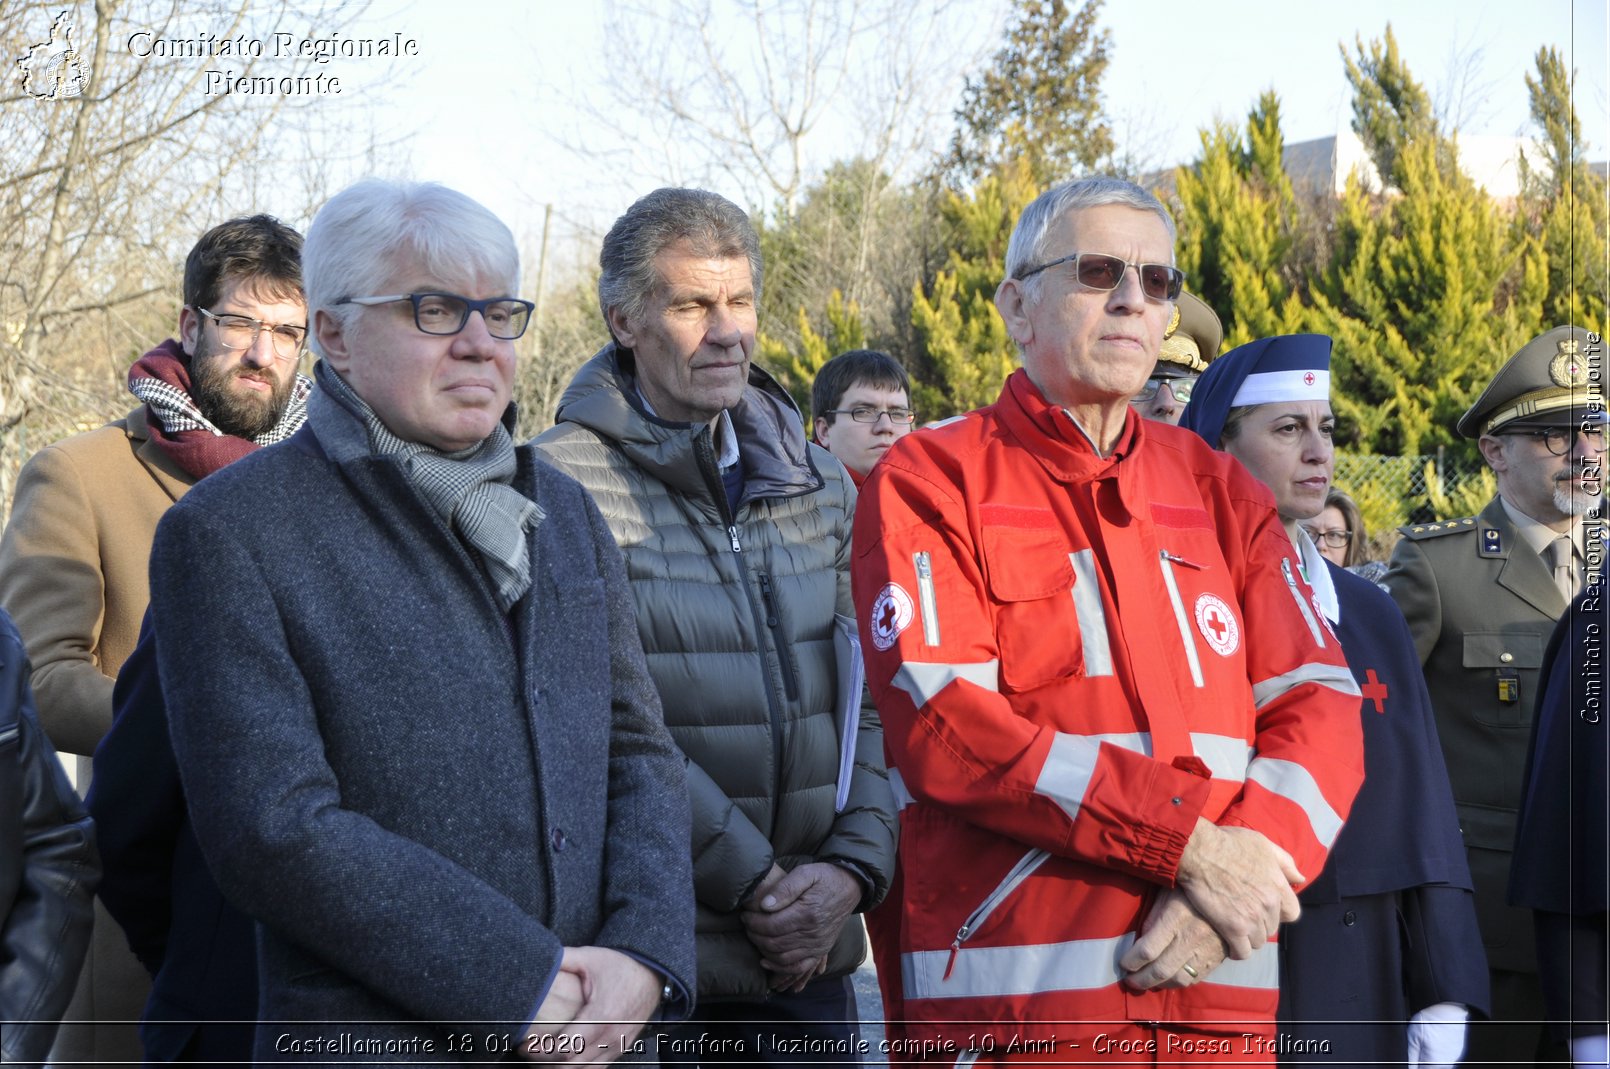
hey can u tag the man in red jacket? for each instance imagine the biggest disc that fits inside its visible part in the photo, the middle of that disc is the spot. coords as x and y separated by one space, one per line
1124 736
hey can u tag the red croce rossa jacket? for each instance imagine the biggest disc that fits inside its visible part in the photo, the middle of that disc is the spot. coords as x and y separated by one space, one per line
1074 658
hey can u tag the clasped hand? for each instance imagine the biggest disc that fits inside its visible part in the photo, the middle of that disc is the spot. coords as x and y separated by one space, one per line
599 1001
1240 883
794 919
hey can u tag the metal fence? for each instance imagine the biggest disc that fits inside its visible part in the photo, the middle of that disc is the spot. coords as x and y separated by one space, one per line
1392 491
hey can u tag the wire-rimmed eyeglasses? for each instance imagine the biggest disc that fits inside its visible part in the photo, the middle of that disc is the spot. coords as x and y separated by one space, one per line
1334 538
240 332
871 414
1180 387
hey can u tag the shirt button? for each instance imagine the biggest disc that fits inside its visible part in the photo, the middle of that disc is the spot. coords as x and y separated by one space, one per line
1175 801
558 840
1349 918
1506 657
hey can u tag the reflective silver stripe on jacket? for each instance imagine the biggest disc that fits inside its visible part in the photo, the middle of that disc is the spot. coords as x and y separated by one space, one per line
1302 603
1261 971
1035 969
1334 676
1295 783
927 599
1072 761
925 680
1091 615
1226 756
1187 637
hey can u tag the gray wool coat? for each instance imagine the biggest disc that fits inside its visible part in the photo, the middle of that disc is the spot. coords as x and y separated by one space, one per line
420 800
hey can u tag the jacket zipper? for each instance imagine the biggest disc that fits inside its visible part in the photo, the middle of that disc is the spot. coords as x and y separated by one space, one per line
1021 871
1302 603
926 597
1167 561
784 654
704 455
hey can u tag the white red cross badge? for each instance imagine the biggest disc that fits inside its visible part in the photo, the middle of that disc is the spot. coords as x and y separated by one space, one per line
891 614
1217 624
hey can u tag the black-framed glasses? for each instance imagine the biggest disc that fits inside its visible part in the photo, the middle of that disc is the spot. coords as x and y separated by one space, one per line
871 414
1559 440
444 314
240 332
1335 538
1180 387
1099 271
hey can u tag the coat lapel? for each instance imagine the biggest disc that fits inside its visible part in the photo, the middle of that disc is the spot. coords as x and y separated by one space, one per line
168 475
1522 572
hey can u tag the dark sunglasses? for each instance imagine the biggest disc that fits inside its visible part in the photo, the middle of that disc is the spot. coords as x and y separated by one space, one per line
1099 271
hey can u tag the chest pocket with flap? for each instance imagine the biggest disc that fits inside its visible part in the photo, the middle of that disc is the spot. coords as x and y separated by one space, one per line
1044 607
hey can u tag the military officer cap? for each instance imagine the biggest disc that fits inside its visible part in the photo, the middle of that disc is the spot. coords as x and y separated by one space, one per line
1556 379
1191 341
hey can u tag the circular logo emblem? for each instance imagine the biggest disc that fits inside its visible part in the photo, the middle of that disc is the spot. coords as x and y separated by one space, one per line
891 614
1308 378
1217 624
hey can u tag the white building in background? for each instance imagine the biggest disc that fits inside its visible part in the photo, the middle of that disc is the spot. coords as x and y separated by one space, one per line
1493 162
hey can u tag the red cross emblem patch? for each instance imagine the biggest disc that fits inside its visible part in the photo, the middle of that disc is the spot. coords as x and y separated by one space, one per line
1308 378
1217 624
891 614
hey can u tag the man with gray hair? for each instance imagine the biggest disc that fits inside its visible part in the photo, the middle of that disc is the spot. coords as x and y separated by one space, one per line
737 539
1103 685
409 707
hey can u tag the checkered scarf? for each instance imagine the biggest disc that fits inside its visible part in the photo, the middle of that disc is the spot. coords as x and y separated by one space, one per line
470 490
161 378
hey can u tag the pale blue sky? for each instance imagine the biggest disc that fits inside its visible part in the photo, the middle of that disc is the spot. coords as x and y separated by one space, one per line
1176 66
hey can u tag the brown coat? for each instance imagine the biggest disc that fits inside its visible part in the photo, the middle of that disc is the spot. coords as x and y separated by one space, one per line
73 565
73 575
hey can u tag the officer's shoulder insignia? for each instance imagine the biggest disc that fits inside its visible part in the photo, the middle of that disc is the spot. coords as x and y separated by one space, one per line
1417 532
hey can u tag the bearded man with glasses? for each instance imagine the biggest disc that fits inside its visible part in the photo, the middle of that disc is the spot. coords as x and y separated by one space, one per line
1120 738
1482 595
73 557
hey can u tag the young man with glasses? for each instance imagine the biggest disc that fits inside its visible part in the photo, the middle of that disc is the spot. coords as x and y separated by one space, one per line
1192 341
862 402
1482 595
73 557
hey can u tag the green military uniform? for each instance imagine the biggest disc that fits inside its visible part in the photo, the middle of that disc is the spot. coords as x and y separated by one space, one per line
1481 604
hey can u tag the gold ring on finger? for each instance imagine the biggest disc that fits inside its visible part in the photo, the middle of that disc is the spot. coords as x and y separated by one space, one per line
1190 971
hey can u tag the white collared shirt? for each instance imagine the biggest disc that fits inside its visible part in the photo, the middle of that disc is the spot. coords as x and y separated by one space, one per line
1319 578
